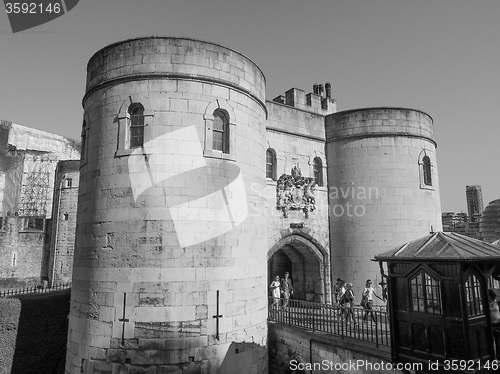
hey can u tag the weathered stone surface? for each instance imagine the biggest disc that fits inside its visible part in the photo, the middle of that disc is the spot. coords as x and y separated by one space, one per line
159 237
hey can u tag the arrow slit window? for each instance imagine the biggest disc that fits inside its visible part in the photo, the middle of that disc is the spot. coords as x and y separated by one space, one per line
271 164
427 171
425 294
318 171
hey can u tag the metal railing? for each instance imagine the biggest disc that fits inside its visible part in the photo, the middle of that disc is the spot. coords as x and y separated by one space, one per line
345 322
33 290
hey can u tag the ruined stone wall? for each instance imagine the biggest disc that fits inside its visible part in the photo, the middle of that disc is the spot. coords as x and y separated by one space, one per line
298 137
21 251
166 238
378 196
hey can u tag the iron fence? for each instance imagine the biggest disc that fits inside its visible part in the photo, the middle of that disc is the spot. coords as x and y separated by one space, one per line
345 322
33 290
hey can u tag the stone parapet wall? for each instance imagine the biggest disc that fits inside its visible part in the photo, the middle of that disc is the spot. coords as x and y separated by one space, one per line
294 348
176 57
378 122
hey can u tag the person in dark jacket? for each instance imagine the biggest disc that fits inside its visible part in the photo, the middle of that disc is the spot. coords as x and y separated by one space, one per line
286 288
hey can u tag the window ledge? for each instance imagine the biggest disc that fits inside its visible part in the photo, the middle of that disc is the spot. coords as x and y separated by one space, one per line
127 152
426 187
218 154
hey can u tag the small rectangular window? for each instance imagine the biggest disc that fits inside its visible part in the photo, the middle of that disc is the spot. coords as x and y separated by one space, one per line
69 182
34 223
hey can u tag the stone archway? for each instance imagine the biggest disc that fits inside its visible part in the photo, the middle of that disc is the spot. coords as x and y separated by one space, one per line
307 264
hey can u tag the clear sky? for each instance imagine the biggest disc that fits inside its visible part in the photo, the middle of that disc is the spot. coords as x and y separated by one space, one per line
438 56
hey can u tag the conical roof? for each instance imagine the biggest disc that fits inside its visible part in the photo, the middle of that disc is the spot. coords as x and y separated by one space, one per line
443 246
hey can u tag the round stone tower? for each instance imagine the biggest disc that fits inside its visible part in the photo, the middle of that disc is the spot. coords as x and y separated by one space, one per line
383 186
170 255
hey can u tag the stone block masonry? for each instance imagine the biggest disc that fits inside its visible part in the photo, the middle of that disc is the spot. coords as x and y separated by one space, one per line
21 251
377 192
169 265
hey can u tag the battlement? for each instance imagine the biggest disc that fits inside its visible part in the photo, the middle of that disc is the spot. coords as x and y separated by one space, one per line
319 101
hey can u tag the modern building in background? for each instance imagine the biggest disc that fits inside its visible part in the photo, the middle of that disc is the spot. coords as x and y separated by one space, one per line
489 224
474 197
466 223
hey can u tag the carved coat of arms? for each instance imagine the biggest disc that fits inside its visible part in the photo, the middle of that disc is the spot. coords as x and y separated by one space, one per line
295 192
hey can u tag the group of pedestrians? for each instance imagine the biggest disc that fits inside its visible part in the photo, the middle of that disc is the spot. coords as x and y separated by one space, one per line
281 288
345 299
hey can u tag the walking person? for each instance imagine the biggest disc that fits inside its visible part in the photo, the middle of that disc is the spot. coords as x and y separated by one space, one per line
336 289
286 289
340 296
276 291
367 301
495 319
383 285
347 303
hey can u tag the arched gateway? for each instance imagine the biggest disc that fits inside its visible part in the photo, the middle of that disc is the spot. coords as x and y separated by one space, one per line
308 264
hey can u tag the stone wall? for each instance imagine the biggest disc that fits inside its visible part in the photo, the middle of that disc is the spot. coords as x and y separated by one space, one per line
294 348
21 252
62 243
298 244
166 236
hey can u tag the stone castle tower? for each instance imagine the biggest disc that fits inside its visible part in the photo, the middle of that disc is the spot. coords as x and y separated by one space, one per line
169 266
383 185
183 218
62 233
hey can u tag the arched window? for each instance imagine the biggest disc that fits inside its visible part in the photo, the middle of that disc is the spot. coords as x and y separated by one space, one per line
271 164
425 294
135 121
220 137
426 165
220 130
136 112
318 171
